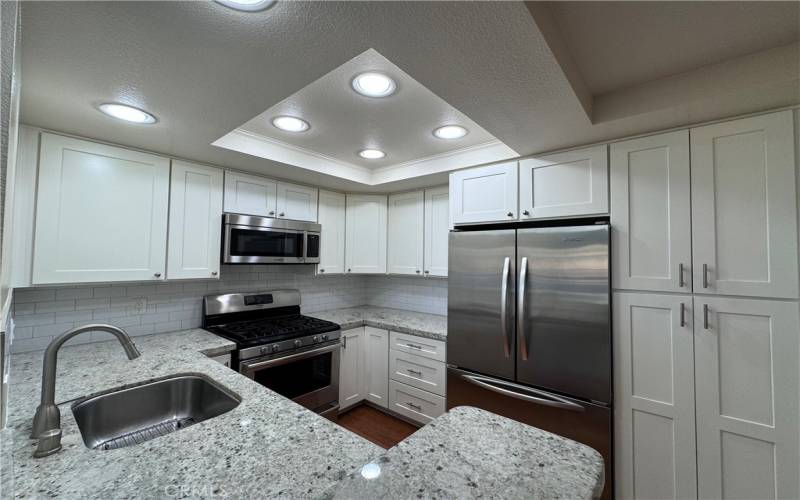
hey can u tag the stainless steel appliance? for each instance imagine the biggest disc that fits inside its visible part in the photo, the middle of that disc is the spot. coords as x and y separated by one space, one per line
294 355
529 332
247 239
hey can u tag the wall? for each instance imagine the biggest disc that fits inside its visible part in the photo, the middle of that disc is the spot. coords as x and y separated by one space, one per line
428 295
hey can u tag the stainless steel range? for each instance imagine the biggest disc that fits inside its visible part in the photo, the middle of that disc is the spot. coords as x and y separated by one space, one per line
294 355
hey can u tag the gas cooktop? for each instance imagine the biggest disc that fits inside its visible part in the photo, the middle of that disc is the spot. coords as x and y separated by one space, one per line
269 330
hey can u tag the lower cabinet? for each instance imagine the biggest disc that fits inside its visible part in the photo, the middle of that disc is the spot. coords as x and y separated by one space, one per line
418 371
376 363
351 368
415 404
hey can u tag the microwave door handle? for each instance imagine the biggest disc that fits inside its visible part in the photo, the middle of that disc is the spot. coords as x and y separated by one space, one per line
524 393
504 307
523 337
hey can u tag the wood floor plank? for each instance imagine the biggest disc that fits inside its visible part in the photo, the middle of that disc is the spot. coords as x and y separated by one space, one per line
380 428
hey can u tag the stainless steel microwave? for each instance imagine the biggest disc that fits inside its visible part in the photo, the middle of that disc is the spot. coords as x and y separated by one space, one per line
247 239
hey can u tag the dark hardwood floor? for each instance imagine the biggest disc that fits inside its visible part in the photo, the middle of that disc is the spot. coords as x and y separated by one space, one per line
376 426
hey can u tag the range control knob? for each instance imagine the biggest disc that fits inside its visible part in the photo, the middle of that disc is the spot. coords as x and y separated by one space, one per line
324 336
275 347
297 343
265 350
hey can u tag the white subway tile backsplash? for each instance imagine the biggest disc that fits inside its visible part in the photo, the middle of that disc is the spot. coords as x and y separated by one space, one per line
73 293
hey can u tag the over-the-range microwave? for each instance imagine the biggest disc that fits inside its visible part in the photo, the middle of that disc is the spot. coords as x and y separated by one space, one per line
247 239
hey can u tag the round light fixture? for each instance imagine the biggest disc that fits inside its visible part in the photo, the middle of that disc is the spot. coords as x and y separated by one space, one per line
373 84
127 113
247 5
372 154
290 124
450 132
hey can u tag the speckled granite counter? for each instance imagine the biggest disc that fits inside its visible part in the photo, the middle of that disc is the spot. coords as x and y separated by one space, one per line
468 453
431 326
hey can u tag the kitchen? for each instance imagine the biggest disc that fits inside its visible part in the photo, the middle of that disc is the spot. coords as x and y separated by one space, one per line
436 250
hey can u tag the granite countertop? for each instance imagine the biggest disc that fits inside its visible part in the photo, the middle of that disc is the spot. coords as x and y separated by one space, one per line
431 326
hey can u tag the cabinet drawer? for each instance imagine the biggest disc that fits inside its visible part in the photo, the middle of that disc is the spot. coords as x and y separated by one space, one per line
413 403
417 371
434 349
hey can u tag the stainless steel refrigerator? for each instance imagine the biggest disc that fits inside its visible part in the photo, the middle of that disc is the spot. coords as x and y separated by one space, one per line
529 333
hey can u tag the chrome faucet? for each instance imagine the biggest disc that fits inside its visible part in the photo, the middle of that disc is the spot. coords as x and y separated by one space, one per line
47 421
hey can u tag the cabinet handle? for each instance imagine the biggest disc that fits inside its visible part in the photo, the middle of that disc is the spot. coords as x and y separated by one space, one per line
281 214
427 272
322 270
414 346
412 405
157 275
348 269
525 212
272 212
705 275
510 214
683 315
680 275
213 273
344 341
417 271
415 372
705 316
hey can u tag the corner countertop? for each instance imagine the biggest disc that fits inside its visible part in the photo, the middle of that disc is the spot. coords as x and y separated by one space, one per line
432 326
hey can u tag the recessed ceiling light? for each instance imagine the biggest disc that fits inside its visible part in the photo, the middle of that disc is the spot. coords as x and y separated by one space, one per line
371 154
373 84
247 5
127 113
450 132
290 124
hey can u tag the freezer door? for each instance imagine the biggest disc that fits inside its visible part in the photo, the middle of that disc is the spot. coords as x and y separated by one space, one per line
563 316
583 422
480 301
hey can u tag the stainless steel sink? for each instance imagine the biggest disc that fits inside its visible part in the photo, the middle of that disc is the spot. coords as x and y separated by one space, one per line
138 414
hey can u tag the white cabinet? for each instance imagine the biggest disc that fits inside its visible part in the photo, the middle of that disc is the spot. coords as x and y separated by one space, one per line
376 366
484 194
250 194
421 346
331 218
365 247
654 391
351 368
296 202
564 184
101 213
418 371
406 233
414 404
437 231
746 366
744 207
651 213
195 218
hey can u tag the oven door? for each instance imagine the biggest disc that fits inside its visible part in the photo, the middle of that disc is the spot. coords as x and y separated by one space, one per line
310 378
263 245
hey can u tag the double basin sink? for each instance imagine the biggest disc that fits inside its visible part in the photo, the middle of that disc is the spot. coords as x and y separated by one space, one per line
137 414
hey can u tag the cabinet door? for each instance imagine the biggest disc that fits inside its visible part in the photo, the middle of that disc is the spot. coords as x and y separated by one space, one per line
651 213
484 194
406 233
250 194
747 398
564 184
195 219
297 202
351 368
744 207
654 424
101 213
365 249
376 366
331 218
437 229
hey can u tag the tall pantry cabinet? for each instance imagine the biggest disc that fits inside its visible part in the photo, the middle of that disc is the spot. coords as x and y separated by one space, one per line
706 314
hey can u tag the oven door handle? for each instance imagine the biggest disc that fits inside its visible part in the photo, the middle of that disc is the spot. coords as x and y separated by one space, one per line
250 367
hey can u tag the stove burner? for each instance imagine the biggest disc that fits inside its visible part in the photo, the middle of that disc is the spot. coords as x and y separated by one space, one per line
273 329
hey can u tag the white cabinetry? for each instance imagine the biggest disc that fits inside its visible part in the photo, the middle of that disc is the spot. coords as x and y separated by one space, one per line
437 231
484 194
365 247
195 218
414 404
376 364
417 371
564 184
296 202
351 368
746 364
101 213
406 233
651 213
250 194
744 207
332 220
654 388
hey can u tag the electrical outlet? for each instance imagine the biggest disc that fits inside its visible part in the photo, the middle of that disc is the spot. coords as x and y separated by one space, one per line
139 305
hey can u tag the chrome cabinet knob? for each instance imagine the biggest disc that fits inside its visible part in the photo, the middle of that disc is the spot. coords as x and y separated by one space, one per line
157 275
281 214
525 212
272 212
322 270
427 272
348 269
510 214
213 273
417 271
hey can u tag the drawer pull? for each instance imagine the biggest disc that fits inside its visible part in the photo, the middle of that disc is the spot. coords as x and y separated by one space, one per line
414 346
412 405
415 372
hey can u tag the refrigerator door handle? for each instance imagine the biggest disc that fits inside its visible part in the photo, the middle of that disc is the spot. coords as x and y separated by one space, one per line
504 307
524 393
523 336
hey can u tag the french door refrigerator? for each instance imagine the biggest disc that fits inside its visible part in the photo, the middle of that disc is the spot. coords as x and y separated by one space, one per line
529 334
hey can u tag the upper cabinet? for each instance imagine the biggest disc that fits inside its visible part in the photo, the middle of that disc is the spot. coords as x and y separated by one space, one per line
744 207
250 194
437 228
406 233
332 244
650 213
484 194
195 219
564 184
101 213
365 247
297 202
